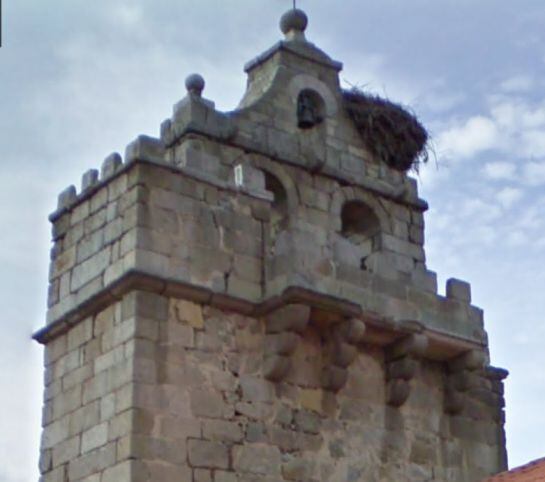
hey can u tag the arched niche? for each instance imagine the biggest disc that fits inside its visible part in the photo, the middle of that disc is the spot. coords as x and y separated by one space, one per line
279 207
359 223
282 187
348 194
310 109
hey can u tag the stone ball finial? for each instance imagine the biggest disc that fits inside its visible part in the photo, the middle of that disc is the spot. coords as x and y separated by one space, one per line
294 19
194 84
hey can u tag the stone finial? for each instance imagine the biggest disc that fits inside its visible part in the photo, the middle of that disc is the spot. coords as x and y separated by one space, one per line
194 84
294 20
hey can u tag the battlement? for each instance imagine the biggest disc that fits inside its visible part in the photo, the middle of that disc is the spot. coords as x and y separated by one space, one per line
289 229
257 279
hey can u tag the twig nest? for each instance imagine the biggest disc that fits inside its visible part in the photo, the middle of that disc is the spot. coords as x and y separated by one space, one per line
194 84
391 132
294 19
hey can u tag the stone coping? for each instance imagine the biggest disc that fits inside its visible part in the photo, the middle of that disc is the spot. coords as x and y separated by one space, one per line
304 49
375 187
381 331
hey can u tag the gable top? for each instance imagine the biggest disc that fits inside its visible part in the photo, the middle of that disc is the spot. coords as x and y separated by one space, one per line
293 24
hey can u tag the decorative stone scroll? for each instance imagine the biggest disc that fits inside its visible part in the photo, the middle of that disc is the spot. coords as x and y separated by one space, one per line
464 374
342 347
401 367
284 326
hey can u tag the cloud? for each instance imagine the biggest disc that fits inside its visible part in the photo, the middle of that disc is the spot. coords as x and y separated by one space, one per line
517 83
517 238
508 196
474 136
534 173
499 170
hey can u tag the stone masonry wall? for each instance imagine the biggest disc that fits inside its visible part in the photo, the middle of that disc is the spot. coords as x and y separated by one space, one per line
247 299
156 388
159 388
87 415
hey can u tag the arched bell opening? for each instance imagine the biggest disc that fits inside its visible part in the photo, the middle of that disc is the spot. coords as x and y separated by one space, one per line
310 109
361 226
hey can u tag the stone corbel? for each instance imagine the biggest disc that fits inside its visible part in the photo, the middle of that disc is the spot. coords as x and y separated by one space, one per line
283 329
342 347
463 375
402 363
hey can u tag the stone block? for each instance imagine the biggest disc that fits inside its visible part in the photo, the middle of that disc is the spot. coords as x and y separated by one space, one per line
276 367
111 165
92 462
281 343
118 473
222 431
458 290
145 148
257 459
404 368
186 311
256 389
334 378
89 179
398 392
312 399
67 197
294 317
66 451
203 453
222 476
93 438
307 421
90 268
207 403
297 469
202 475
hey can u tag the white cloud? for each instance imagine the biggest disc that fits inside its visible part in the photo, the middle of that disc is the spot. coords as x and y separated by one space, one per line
499 170
517 238
509 196
534 173
126 15
479 210
518 83
474 136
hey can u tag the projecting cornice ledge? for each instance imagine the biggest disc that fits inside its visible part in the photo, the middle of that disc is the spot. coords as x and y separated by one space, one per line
324 309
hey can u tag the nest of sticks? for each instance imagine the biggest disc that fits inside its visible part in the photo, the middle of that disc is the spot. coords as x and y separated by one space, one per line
390 131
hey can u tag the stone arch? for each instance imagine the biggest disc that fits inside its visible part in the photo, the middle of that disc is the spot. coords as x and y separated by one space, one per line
349 194
278 172
303 82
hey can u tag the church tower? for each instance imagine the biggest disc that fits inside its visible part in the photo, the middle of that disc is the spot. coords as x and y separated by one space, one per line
246 299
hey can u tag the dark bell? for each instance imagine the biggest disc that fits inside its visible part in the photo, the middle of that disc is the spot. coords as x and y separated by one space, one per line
307 119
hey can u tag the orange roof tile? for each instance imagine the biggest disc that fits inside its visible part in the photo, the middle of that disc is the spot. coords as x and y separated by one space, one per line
532 472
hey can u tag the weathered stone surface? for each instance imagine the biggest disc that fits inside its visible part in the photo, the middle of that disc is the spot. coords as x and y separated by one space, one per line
257 459
202 453
217 313
459 290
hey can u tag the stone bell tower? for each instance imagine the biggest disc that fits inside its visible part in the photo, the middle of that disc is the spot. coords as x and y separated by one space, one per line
246 299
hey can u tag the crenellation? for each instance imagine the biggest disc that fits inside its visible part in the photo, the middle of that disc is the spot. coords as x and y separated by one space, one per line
89 179
243 298
110 165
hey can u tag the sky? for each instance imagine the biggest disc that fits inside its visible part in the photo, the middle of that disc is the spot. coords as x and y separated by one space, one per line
79 80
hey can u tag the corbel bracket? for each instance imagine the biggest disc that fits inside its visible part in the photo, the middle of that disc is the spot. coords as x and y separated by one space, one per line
283 329
465 374
342 347
402 364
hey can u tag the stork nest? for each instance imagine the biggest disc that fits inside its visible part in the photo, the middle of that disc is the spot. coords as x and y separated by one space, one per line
390 131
